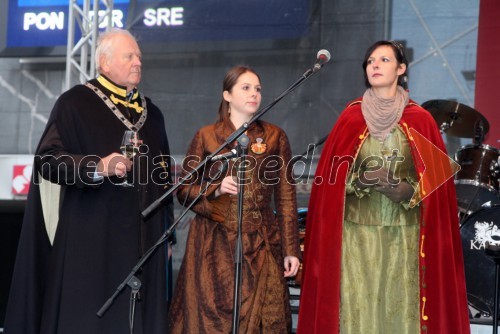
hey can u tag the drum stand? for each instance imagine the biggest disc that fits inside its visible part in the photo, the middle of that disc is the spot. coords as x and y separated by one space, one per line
493 251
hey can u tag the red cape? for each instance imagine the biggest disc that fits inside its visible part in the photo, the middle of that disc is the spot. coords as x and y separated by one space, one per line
443 299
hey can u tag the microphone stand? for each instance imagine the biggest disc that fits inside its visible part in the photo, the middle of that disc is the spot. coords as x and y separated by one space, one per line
235 135
238 254
157 203
453 116
134 282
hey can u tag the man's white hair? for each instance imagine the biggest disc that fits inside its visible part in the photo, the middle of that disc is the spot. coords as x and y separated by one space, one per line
105 44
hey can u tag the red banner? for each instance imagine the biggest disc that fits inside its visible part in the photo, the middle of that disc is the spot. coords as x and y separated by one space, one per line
488 68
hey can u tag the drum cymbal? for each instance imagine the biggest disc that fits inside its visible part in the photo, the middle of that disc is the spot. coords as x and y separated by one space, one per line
456 119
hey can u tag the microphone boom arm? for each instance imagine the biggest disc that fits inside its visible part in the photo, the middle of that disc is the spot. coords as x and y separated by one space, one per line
131 280
235 135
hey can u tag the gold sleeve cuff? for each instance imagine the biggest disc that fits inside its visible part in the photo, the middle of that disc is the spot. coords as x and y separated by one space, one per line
353 189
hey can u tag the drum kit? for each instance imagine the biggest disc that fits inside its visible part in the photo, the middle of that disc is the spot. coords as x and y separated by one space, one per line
477 182
478 199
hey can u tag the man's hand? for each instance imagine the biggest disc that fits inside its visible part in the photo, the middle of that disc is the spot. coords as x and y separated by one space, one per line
114 164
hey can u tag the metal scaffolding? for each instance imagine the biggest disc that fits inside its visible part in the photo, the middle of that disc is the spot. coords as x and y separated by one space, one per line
80 56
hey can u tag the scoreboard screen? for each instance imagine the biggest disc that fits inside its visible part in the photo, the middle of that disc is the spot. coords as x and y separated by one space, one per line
40 27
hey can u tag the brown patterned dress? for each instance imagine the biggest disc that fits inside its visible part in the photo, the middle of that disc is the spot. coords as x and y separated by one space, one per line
203 298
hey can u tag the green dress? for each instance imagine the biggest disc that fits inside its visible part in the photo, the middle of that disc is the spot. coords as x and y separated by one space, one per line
380 244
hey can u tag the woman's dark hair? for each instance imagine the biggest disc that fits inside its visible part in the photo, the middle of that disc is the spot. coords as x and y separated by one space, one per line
229 81
400 57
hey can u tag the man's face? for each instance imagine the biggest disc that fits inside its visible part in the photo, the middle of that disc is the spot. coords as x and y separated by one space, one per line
123 66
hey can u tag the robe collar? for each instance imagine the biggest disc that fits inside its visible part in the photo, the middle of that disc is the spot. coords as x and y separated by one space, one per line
122 97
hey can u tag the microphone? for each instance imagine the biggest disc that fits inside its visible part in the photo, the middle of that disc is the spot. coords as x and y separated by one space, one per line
322 58
231 154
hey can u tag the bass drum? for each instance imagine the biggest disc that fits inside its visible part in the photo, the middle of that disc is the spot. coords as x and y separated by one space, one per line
478 229
477 180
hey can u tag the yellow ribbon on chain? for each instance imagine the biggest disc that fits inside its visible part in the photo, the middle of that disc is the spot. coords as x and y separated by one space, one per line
134 105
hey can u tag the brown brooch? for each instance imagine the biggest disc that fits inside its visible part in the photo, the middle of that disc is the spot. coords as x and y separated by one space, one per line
259 147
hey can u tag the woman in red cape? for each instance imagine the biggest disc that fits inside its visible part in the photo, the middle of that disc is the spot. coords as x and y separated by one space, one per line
386 256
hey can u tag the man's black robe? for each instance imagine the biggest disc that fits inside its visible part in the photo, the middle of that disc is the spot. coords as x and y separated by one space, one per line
100 236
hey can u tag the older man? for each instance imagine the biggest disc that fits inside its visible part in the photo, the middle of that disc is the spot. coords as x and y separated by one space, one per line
64 274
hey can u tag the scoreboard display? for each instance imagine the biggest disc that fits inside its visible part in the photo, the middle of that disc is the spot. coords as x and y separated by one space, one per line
40 27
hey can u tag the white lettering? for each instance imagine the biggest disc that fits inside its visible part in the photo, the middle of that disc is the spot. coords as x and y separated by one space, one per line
149 17
177 16
29 20
475 245
116 18
44 20
164 17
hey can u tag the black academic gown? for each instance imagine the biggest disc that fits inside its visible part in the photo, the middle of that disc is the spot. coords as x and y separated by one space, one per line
100 236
